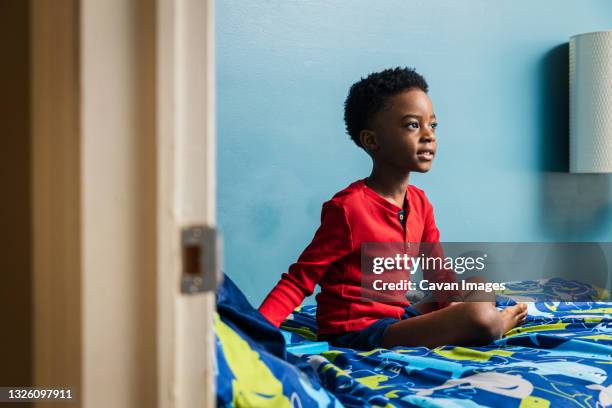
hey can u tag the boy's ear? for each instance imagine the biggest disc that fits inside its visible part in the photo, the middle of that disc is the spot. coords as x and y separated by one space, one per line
368 140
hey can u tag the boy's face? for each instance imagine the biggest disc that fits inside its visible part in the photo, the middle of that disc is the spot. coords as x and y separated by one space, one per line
402 135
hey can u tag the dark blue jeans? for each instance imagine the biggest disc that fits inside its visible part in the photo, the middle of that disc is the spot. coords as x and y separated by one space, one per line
369 338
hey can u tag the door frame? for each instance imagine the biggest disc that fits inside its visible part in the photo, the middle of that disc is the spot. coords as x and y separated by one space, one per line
123 157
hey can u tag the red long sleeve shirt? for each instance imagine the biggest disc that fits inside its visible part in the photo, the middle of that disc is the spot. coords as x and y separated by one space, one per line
353 216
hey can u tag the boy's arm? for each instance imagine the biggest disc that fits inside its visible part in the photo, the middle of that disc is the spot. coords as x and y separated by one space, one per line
331 242
431 233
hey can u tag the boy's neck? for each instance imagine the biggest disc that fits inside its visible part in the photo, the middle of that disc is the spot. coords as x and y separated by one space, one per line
390 184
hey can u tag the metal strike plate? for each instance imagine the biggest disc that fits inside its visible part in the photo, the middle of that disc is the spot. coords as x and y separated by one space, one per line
201 250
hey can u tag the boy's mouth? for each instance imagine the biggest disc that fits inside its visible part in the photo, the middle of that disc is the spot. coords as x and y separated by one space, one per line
425 154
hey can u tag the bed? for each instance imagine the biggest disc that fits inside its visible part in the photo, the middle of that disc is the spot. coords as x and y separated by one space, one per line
561 356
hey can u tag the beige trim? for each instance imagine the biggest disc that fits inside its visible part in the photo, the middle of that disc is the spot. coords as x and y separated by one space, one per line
118 199
123 157
187 195
56 190
168 257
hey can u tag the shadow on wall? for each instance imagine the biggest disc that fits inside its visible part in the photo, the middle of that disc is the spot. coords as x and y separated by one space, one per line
573 206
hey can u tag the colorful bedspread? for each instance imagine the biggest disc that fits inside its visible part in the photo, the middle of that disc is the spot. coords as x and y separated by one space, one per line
561 356
253 368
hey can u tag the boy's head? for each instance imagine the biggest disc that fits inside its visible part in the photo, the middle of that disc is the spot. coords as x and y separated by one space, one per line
390 116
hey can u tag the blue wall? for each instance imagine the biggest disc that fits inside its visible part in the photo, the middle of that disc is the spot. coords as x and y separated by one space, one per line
498 80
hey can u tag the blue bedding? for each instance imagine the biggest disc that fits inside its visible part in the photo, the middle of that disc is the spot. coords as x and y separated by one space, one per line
253 367
561 356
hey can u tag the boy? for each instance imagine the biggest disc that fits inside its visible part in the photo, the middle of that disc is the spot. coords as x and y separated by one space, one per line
390 116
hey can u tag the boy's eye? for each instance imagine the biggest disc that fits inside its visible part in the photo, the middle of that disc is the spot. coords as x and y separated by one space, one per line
434 125
412 125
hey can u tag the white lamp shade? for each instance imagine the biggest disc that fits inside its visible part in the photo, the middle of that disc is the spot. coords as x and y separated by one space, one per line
590 93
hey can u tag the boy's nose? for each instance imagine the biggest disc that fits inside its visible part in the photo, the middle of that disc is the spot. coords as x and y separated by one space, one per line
428 136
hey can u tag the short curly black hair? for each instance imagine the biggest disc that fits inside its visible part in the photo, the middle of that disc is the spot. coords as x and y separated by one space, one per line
369 95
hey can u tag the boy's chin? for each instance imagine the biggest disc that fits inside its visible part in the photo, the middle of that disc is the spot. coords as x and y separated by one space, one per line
422 168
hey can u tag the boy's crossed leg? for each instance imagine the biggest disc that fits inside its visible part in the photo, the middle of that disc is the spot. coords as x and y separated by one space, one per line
475 321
